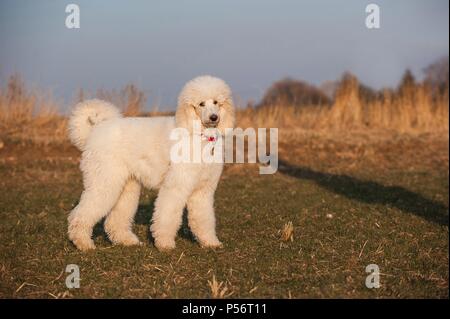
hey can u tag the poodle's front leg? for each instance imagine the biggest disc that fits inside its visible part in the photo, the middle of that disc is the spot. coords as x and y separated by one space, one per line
202 220
172 197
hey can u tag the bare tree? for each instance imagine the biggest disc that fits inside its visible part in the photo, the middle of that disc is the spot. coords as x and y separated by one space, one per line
436 75
294 93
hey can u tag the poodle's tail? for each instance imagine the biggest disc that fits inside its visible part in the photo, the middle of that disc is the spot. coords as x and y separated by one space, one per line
85 116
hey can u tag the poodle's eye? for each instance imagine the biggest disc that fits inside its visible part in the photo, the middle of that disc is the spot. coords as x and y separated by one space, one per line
215 102
202 104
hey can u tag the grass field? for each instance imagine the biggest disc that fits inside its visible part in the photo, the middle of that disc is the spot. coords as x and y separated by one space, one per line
353 200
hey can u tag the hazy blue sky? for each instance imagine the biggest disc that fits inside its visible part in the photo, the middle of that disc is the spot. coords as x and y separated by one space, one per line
159 45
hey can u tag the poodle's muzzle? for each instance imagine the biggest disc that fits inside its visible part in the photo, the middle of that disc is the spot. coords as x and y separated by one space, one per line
213 121
210 114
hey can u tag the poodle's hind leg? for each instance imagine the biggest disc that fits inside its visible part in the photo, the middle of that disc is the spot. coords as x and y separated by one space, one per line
119 221
201 218
98 198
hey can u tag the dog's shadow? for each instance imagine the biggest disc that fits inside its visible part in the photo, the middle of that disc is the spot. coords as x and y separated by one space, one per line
372 192
144 217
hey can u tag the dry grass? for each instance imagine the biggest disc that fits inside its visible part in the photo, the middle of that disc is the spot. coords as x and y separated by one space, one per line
388 196
219 290
358 198
130 99
415 108
28 115
32 116
287 233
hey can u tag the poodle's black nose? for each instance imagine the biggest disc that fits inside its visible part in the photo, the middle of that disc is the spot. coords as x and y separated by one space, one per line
213 117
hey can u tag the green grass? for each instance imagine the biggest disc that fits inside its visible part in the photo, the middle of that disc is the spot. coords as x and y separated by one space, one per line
397 219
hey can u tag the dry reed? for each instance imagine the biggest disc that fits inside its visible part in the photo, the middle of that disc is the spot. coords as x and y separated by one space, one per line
32 116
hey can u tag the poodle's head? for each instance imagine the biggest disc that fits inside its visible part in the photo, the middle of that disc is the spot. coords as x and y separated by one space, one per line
207 99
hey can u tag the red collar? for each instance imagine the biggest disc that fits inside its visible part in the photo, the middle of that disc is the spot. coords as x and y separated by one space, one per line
209 138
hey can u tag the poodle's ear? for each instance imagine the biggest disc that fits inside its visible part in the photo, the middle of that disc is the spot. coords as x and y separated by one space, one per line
227 116
185 115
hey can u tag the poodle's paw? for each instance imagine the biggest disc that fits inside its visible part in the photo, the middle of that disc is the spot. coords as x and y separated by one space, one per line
211 244
128 239
80 234
131 241
164 244
83 244
81 239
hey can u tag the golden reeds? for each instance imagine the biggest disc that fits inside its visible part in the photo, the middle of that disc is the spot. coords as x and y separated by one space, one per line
411 109
414 107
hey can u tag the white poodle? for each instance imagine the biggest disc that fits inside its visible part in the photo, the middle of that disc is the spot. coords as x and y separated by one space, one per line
120 154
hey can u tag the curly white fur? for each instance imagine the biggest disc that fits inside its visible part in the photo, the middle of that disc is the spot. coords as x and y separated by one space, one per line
87 114
121 154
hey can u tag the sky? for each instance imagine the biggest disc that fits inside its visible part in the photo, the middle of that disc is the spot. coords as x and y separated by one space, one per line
159 45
